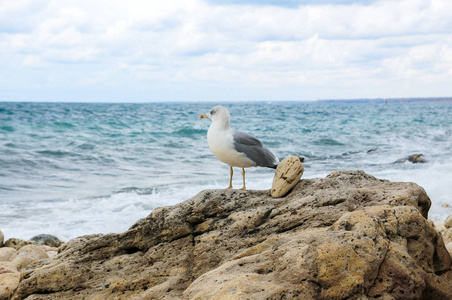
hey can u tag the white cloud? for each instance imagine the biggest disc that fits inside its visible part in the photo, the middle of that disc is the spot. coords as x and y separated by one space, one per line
322 50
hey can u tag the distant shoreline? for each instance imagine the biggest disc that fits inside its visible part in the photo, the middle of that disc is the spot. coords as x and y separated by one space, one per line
327 101
390 100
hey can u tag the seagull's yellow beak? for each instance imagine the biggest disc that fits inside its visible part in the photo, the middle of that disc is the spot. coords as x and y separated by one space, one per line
203 116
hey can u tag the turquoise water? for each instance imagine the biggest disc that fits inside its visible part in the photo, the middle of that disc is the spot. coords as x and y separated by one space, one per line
72 169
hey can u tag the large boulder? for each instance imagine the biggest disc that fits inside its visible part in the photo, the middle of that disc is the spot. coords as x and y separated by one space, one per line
348 235
9 279
6 253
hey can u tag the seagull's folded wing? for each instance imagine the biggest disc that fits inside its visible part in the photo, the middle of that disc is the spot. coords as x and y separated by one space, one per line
253 149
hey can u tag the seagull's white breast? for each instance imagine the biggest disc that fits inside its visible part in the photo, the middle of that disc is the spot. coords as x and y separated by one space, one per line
222 146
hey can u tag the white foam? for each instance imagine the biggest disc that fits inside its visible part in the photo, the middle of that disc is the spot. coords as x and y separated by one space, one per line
115 213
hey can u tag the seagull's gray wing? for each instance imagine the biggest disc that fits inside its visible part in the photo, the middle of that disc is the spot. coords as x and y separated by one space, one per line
253 149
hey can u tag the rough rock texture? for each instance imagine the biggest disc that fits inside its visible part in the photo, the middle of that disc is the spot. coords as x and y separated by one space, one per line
9 279
2 238
6 253
447 234
448 222
287 175
449 247
17 243
346 236
27 255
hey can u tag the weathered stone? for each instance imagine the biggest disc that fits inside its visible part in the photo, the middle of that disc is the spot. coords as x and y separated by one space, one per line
48 248
448 222
47 239
447 234
52 254
9 279
2 238
449 247
17 243
346 236
439 225
6 253
287 175
27 255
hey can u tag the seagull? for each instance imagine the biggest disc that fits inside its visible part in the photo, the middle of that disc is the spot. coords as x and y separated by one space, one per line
235 148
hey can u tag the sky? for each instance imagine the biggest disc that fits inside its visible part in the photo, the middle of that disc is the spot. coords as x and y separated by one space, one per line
233 50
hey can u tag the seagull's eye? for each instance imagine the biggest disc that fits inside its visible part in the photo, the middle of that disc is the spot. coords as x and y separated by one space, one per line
212 112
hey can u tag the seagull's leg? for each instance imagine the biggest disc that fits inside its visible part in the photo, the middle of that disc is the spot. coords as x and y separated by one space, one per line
243 174
230 179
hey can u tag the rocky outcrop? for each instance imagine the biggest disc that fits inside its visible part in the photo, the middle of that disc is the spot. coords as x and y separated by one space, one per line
346 236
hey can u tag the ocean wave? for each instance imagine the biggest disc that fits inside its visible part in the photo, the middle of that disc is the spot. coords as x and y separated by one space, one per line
7 128
327 142
189 132
64 124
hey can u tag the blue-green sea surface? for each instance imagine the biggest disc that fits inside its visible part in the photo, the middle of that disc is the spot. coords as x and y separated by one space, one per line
71 169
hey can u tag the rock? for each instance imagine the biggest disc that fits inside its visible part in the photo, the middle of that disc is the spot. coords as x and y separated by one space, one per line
27 255
346 236
6 253
50 251
449 247
17 243
2 238
448 222
287 175
447 234
439 225
417 158
52 254
46 239
414 158
9 279
48 248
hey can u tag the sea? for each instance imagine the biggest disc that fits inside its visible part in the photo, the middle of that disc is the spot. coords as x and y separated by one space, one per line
73 169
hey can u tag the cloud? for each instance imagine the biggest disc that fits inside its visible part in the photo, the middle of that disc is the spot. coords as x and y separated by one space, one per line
163 48
290 3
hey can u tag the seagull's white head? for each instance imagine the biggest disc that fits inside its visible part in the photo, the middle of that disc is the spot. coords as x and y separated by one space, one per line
218 114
